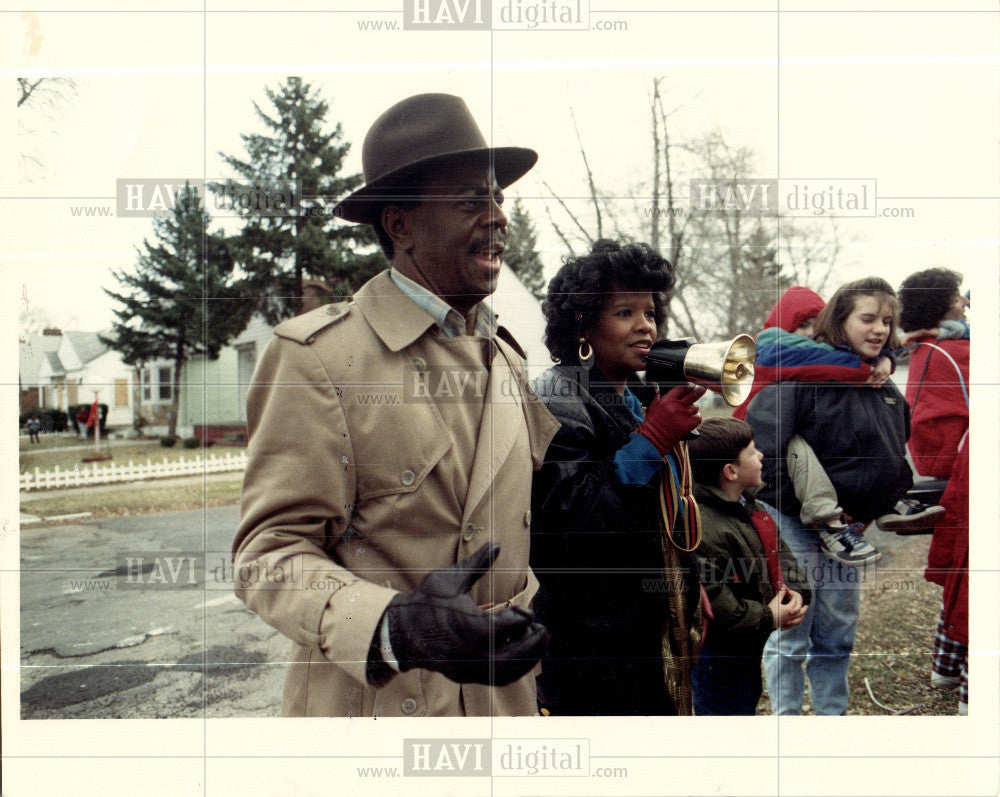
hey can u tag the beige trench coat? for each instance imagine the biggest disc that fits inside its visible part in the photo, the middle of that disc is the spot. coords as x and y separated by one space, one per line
349 497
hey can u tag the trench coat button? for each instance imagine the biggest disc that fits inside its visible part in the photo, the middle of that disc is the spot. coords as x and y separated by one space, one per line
469 533
419 364
407 477
409 705
527 518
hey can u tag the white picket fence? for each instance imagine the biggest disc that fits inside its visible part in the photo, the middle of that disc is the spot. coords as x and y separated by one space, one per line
108 474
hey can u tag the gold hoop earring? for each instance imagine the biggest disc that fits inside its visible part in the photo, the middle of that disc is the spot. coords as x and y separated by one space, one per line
585 353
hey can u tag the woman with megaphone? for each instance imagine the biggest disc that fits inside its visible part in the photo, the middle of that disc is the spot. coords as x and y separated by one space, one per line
621 599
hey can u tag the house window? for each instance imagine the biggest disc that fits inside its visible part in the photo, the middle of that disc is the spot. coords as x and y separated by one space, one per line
147 391
164 384
121 392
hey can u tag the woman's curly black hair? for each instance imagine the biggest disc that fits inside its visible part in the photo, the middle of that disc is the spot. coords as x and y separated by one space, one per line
578 291
926 297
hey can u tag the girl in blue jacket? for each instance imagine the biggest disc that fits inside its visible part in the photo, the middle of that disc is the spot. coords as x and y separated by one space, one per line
859 437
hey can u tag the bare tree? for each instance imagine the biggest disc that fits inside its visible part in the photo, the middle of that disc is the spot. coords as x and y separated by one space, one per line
811 250
51 92
574 228
663 185
731 261
715 277
40 101
31 320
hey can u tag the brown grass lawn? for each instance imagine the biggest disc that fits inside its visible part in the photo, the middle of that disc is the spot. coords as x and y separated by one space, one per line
129 498
66 453
136 498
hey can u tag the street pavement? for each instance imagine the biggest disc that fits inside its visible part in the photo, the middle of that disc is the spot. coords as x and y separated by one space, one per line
136 617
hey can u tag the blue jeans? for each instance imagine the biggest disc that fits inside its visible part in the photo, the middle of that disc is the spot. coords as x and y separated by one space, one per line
823 641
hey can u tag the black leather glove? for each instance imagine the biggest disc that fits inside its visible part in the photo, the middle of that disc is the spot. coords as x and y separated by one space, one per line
438 626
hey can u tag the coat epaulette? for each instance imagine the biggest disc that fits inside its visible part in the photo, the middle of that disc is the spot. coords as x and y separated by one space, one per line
304 328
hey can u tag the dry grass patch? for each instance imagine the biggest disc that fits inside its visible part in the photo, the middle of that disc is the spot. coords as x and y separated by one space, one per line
892 649
137 498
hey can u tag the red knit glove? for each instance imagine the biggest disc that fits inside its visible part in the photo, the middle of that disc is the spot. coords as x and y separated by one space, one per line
671 416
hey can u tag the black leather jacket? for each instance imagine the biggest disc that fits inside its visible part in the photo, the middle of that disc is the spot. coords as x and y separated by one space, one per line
595 547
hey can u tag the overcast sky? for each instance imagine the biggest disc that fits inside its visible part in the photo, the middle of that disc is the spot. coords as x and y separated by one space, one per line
906 100
909 100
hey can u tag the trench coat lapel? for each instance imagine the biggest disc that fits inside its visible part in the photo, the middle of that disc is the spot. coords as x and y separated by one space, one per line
501 421
510 407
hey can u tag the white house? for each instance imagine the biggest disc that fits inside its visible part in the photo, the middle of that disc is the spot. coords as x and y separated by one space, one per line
521 313
213 398
214 392
58 369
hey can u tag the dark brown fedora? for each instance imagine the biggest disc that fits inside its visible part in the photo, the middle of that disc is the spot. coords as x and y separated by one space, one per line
421 132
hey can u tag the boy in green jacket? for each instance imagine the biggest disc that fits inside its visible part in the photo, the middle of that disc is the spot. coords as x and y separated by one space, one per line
751 577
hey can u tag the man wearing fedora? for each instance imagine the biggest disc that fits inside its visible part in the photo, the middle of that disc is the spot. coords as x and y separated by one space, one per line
384 519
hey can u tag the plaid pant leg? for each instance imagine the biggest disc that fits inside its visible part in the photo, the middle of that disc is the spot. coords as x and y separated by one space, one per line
948 654
951 659
963 689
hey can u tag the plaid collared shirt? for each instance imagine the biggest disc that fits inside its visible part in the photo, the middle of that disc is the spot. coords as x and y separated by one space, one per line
449 320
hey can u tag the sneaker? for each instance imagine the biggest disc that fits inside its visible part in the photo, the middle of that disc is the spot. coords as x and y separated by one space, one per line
911 517
845 544
939 681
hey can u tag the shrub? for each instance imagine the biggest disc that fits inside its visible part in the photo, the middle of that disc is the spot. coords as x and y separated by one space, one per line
191 442
168 441
51 420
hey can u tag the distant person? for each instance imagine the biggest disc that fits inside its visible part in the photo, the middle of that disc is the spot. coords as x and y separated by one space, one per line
859 437
33 425
751 577
937 391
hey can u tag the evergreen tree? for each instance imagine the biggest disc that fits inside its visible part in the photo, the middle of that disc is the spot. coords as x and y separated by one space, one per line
759 282
520 253
281 250
182 297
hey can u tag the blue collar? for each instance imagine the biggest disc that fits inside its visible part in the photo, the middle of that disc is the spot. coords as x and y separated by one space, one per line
449 320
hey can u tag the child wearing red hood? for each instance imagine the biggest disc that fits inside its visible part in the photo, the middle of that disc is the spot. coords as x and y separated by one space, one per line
786 351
